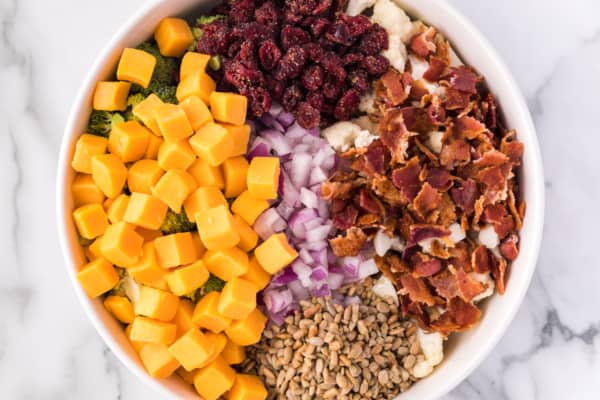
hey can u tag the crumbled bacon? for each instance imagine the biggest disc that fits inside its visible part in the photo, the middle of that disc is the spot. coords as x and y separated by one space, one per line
439 178
394 134
416 289
468 127
422 43
464 195
396 86
468 288
427 267
464 79
508 247
349 245
437 67
428 200
406 179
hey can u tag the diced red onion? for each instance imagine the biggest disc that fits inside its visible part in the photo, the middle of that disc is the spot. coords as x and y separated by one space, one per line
299 169
277 301
276 110
335 281
318 234
317 175
295 131
284 276
279 143
367 268
319 273
308 198
259 148
306 256
303 272
286 119
319 245
299 219
288 191
299 291
352 300
268 223
271 122
320 290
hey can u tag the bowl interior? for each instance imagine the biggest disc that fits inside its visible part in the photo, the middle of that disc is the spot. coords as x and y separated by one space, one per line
463 352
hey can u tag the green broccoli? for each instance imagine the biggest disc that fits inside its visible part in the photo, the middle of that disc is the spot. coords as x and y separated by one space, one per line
212 284
119 289
102 122
135 99
163 79
175 223
166 93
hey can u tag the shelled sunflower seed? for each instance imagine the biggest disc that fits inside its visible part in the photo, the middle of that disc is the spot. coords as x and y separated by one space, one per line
327 351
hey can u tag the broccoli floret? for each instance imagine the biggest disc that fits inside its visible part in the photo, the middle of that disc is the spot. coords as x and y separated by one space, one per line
166 93
135 99
166 67
175 223
119 289
102 122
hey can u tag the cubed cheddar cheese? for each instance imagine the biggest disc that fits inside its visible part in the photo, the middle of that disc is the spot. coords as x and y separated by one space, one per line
147 270
111 96
117 207
149 330
248 237
203 199
98 277
275 253
216 228
157 360
120 307
248 207
109 173
206 175
136 66
142 175
93 250
121 244
160 284
187 376
263 177
257 274
196 84
197 112
156 303
241 137
145 210
238 298
193 62
247 387
192 349
144 111
214 380
235 171
219 341
186 279
226 264
183 317
233 353
173 188
175 250
85 191
213 144
86 147
228 107
173 36
207 316
90 220
137 346
176 155
129 140
247 331
172 121
154 144
200 249
148 234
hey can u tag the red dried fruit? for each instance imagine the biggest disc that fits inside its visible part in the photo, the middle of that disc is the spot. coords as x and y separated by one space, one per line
292 95
352 58
269 55
214 38
359 79
242 77
313 77
241 10
307 116
247 54
267 13
358 24
301 7
331 89
291 63
322 8
293 36
376 65
275 87
314 51
316 100
316 25
259 101
339 32
374 41
334 66
347 106
292 18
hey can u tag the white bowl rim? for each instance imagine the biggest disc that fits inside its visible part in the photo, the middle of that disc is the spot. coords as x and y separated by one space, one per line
534 169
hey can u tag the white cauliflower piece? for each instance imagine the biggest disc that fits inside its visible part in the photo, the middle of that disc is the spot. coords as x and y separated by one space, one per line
456 233
341 135
487 280
382 243
367 103
356 7
488 237
396 52
365 123
432 345
391 17
364 138
383 288
434 141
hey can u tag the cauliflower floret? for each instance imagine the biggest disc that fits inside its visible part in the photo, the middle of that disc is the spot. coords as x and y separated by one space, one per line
367 103
488 237
396 52
365 123
434 141
363 139
456 233
391 17
486 279
432 345
383 287
356 7
343 135
382 243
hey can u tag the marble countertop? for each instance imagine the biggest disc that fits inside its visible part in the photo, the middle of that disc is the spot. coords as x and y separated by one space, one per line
48 348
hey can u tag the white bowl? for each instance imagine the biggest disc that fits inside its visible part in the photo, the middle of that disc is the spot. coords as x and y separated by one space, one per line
464 351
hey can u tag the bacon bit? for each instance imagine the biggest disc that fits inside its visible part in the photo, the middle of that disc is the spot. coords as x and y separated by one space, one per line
508 247
422 44
513 149
368 203
376 158
345 218
490 158
437 67
425 150
465 194
468 127
419 232
493 177
455 152
517 215
396 85
468 288
456 100
447 211
439 250
407 179
416 289
418 90
335 190
349 245
464 79
368 221
427 200
439 178
464 314
394 134
384 188
427 267
460 256
445 284
499 274
481 259
436 113
489 109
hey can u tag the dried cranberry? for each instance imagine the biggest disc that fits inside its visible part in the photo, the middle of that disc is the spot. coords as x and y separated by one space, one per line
326 44
301 7
214 38
334 66
291 97
316 25
376 65
242 77
307 116
359 80
331 89
241 10
339 32
347 106
322 8
267 14
314 51
275 87
259 101
291 63
269 55
292 36
313 77
316 100
358 24
340 5
292 18
374 41
352 58
247 54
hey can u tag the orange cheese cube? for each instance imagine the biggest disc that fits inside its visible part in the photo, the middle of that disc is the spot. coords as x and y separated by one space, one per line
219 341
173 36
173 188
197 112
275 253
154 144
228 107
137 346
238 298
85 190
197 84
183 317
160 284
142 175
203 199
136 66
93 250
216 228
157 360
256 274
129 140
233 353
147 269
145 211
226 264
111 96
214 380
241 137
248 207
109 173
192 63
148 234
175 249
187 376
176 155
149 330
90 220
121 244
184 280
200 249
212 143
121 308
247 387
172 121
116 209
98 277
192 349
86 147
156 303
235 171
206 175
144 111
263 177
207 316
247 331
248 237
